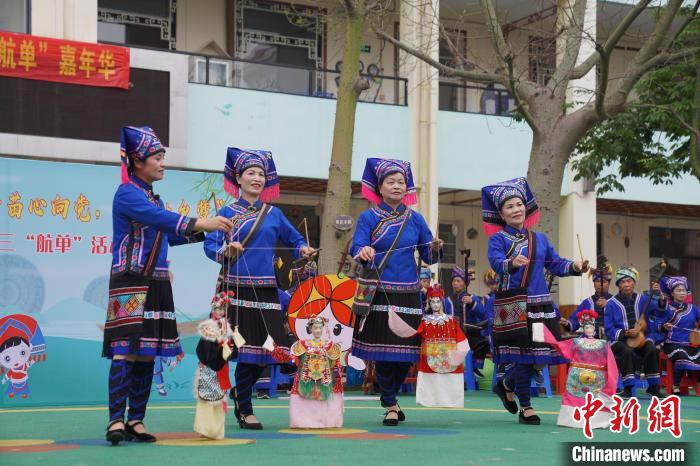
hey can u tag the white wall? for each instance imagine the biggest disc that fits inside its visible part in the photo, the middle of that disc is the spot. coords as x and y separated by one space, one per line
65 19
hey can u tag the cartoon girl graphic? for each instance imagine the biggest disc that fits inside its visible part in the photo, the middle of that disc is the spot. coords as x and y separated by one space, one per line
21 345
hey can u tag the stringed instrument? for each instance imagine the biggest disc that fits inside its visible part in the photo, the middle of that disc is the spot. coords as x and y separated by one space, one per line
469 277
641 324
694 337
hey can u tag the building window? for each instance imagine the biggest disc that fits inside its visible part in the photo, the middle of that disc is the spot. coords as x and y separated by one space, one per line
542 58
279 33
271 34
139 23
680 248
599 239
14 16
448 233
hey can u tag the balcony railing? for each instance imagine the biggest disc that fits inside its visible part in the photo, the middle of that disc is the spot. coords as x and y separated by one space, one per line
487 100
287 79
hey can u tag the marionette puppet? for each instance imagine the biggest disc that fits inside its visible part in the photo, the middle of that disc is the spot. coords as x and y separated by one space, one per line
316 400
592 370
211 381
440 381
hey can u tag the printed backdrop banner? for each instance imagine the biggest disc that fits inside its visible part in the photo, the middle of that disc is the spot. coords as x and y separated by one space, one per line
64 61
55 242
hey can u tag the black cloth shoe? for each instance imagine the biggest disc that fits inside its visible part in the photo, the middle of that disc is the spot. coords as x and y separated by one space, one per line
248 425
654 390
501 390
115 436
533 420
390 422
132 435
402 416
627 392
232 394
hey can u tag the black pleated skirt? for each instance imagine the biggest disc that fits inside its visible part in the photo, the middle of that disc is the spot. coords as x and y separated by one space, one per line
373 340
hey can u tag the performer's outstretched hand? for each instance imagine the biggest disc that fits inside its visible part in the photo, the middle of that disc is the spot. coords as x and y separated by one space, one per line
366 254
233 249
580 266
520 260
436 244
213 224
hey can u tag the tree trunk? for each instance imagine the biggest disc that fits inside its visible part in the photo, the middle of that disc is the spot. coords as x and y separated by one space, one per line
545 174
695 136
337 200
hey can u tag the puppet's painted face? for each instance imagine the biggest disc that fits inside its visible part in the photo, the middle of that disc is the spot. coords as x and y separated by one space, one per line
317 330
15 357
436 304
589 330
220 312
338 332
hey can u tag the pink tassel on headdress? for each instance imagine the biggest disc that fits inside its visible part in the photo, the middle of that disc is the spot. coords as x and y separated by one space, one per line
532 220
124 160
370 195
125 174
410 199
491 228
271 193
231 188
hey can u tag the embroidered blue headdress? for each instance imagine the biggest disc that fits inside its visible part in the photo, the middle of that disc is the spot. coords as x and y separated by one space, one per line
137 142
377 169
494 196
239 160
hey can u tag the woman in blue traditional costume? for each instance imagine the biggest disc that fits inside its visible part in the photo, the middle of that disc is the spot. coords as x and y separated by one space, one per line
678 323
520 256
245 255
141 315
624 313
389 225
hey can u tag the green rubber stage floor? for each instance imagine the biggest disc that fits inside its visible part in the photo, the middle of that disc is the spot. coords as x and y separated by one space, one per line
480 434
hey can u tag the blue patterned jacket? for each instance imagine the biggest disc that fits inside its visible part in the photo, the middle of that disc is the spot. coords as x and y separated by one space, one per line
505 245
137 216
401 273
254 266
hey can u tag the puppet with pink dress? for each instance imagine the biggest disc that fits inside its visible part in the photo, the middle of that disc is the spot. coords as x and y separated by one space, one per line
316 399
592 370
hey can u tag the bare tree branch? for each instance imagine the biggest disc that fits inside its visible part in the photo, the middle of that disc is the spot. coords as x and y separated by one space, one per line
453 49
524 111
476 76
494 27
644 59
610 43
667 57
690 17
670 110
573 37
